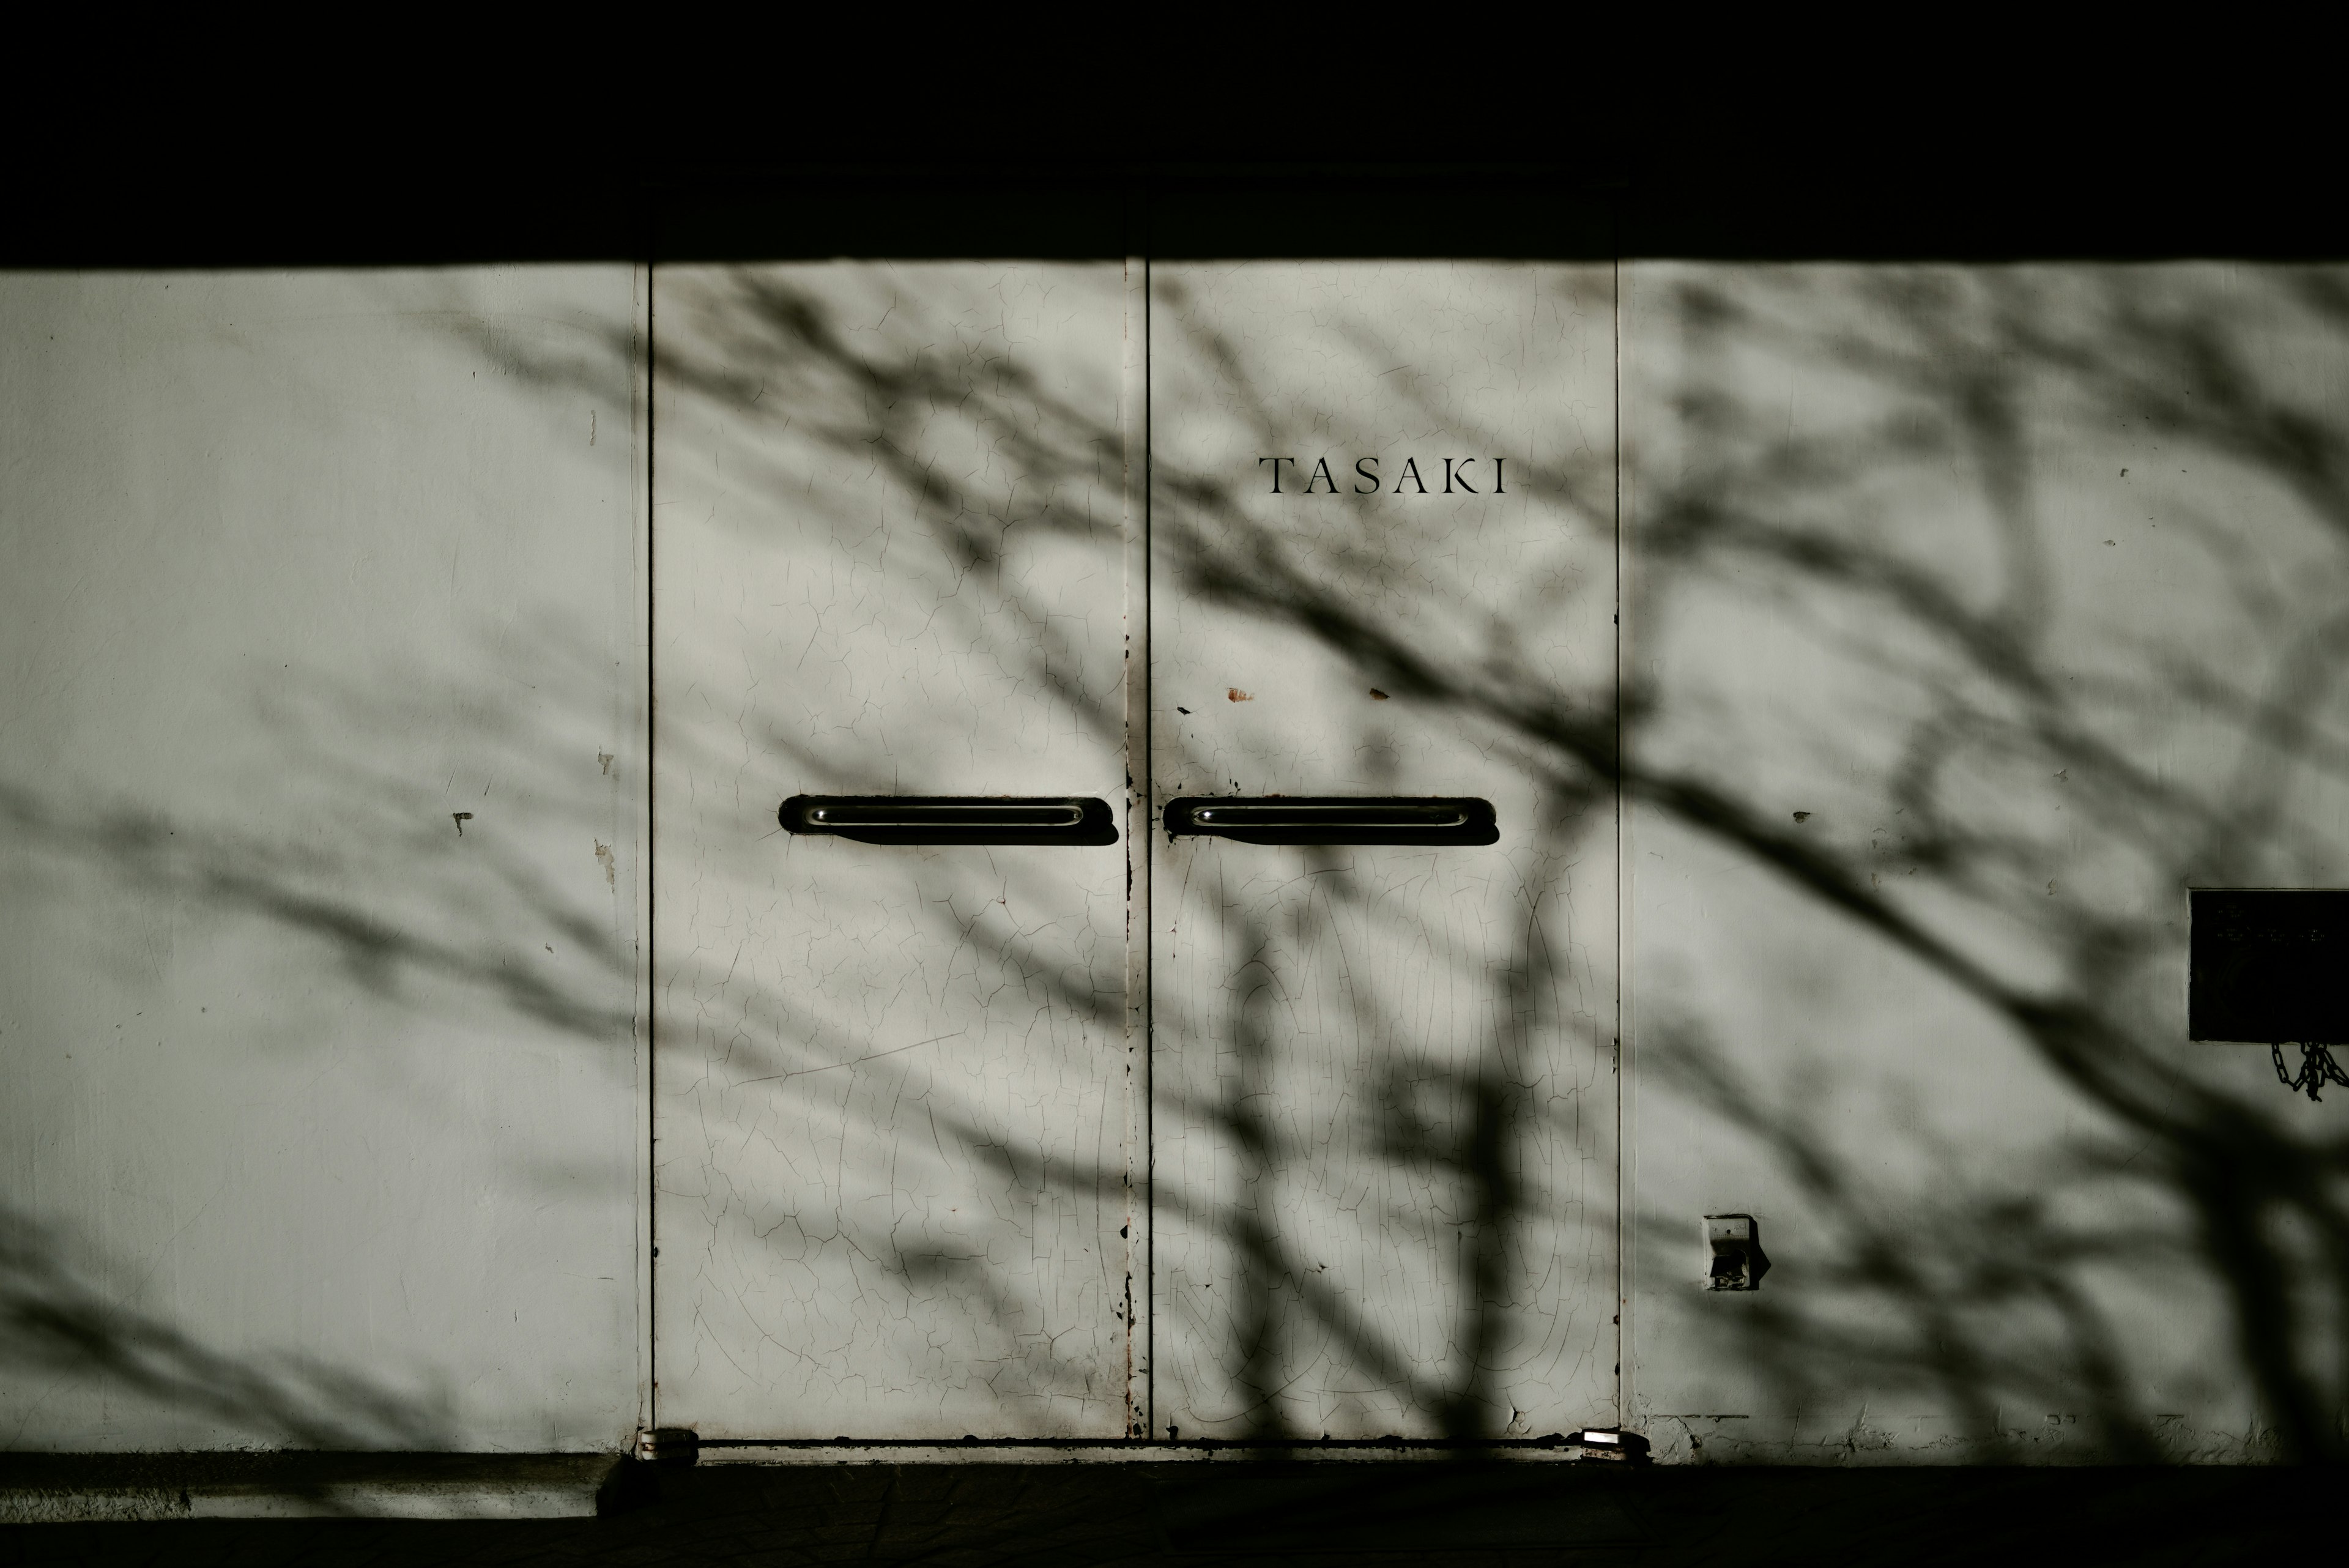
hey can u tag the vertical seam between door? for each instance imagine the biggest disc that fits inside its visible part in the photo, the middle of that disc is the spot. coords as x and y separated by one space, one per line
651 900
1622 872
1141 1320
1149 925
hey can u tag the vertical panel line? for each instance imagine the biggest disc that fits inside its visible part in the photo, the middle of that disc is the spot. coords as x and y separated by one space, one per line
651 1028
1622 887
1148 844
1134 401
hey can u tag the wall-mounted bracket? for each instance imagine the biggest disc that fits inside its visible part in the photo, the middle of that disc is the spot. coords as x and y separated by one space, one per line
1612 1445
668 1446
1734 1242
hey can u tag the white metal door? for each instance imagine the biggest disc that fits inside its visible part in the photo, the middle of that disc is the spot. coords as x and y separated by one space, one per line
1384 1103
892 1103
900 1089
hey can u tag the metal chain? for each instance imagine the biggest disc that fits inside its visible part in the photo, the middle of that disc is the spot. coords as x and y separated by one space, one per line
2317 1068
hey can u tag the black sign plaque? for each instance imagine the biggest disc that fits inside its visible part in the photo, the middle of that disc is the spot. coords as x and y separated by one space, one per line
2269 967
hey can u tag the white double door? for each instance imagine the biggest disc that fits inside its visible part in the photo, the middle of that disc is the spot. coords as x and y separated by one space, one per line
1179 1137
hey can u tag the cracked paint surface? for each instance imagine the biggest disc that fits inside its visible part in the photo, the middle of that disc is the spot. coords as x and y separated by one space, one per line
889 1092
1384 1101
894 1103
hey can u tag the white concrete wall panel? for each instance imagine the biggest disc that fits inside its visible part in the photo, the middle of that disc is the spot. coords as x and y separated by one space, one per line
1971 615
1974 615
1383 1115
892 1084
319 1122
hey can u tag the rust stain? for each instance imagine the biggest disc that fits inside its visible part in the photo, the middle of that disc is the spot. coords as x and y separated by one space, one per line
1237 695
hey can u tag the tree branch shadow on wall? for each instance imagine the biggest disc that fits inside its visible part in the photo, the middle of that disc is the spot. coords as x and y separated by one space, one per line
2168 1167
348 869
1915 528
1911 529
56 1320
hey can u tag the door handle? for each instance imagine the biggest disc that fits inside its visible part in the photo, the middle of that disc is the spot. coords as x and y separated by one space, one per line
951 818
1333 819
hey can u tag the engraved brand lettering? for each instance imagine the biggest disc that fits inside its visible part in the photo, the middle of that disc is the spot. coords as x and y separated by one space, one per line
1322 479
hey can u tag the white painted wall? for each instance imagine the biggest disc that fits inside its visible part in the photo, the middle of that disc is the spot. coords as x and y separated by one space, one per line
320 1125
2026 585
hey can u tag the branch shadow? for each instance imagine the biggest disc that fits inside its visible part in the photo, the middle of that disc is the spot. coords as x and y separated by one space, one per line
1910 546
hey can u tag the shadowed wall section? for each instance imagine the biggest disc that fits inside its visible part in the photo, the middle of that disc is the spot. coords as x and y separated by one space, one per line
1970 616
1975 614
1384 1111
320 846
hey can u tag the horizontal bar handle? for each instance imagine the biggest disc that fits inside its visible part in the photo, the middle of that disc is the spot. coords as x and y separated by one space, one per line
951 818
893 812
1329 813
1334 819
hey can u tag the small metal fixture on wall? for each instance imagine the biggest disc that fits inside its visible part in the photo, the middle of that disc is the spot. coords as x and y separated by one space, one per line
1734 1241
668 1446
1611 1445
2317 1068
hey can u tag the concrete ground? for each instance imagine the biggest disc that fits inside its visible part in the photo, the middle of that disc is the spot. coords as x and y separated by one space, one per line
1231 1516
